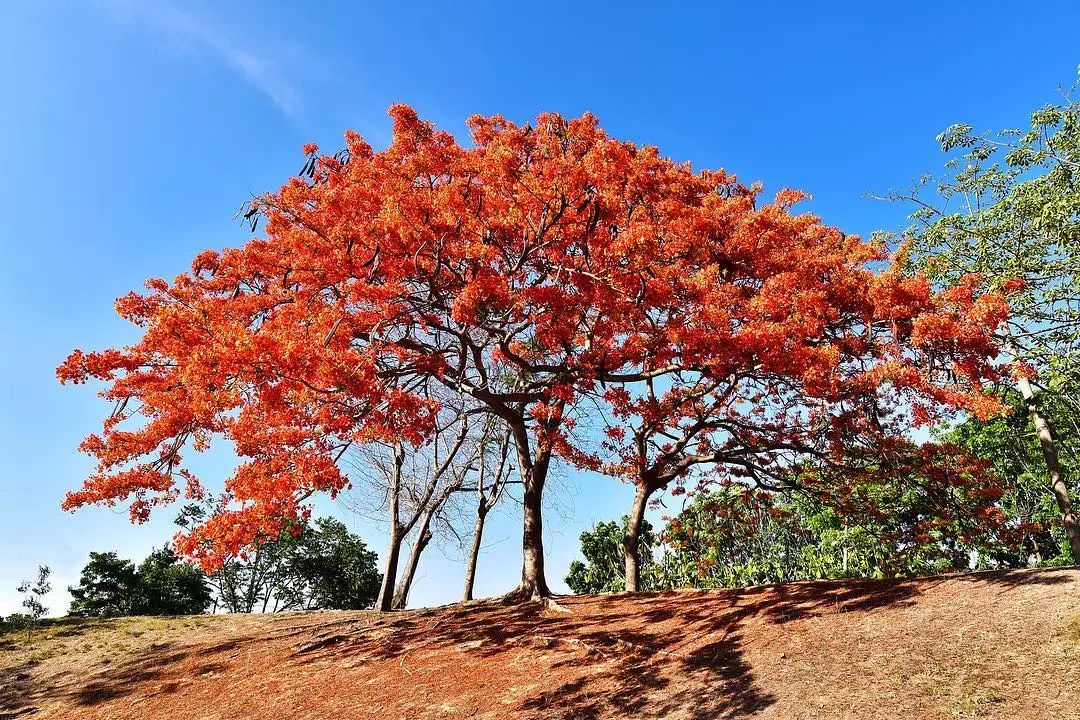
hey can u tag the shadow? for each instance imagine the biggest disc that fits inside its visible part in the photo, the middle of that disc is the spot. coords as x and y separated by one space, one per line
15 688
1014 578
646 655
22 692
643 656
154 667
688 653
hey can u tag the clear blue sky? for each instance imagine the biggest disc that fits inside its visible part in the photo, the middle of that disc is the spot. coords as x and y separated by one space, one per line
130 132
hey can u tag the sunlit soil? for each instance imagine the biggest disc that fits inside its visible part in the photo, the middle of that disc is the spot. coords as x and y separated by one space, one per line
991 645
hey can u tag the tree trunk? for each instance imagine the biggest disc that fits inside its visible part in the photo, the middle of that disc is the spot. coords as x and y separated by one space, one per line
385 600
533 581
533 472
632 539
1053 465
474 552
422 539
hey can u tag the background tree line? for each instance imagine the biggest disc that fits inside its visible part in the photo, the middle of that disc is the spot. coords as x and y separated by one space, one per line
316 565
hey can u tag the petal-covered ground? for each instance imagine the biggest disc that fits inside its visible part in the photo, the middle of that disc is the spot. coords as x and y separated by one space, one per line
997 645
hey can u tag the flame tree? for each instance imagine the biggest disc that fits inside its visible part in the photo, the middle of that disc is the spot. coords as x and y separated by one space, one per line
534 271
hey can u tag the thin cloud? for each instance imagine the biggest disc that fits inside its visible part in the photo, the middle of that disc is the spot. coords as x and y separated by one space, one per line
196 34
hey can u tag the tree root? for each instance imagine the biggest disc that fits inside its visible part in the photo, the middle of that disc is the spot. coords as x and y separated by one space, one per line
549 603
523 596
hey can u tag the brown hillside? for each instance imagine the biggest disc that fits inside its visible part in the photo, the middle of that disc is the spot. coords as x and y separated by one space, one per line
993 645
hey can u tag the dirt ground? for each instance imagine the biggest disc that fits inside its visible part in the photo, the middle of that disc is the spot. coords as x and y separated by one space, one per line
988 645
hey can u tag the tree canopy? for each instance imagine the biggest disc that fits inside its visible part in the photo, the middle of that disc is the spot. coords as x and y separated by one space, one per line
1007 212
557 278
110 586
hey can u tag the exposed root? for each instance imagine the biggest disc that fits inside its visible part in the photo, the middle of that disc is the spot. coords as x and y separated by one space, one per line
549 603
553 640
522 596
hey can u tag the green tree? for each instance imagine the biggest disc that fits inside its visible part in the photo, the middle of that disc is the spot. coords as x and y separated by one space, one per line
34 592
108 587
167 586
1009 443
309 566
722 539
736 537
1008 209
603 569
332 568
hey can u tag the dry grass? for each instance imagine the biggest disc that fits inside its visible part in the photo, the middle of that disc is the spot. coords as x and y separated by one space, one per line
999 645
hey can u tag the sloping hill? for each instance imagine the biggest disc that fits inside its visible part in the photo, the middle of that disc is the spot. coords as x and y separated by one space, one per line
998 645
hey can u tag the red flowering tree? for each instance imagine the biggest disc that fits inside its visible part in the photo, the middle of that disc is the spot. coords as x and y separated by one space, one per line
540 268
812 376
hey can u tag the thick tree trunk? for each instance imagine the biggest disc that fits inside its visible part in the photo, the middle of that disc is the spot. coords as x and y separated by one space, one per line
1053 466
474 552
632 539
423 537
533 581
533 472
385 600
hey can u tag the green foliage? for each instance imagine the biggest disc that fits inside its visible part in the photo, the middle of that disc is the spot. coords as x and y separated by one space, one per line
603 569
720 540
161 585
310 566
1010 445
15 622
34 592
729 538
1008 209
108 586
167 586
333 568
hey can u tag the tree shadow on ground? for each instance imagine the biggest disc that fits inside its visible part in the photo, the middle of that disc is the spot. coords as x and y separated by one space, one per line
23 692
130 677
647 655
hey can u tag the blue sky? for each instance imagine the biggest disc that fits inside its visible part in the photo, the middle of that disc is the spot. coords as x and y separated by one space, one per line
130 132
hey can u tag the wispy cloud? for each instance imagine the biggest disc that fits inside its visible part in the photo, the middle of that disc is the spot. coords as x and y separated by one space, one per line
194 33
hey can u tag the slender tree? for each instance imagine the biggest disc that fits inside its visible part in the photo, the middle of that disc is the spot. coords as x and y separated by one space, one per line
411 486
492 478
34 592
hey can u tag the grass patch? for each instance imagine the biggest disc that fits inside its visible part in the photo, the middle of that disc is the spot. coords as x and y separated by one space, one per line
1072 630
979 703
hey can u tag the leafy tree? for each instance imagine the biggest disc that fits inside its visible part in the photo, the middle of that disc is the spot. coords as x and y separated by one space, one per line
167 586
307 567
34 592
1009 443
735 536
1008 209
547 273
603 569
721 540
161 585
108 586
333 568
